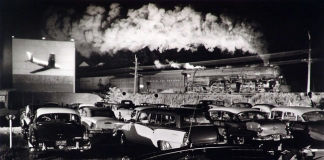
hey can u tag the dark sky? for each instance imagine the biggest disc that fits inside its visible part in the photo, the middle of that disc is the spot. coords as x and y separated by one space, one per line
112 31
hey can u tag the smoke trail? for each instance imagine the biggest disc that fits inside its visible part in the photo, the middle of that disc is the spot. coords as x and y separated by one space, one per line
158 64
189 66
106 32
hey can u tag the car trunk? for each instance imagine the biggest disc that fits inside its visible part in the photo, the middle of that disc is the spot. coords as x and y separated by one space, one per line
57 131
268 127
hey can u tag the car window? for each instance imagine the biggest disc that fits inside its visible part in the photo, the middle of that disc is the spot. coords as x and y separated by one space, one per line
227 116
102 113
168 120
215 115
251 115
313 116
133 114
290 116
195 120
143 117
58 118
276 115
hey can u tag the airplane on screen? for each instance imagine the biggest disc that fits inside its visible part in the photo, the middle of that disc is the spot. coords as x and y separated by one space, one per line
50 64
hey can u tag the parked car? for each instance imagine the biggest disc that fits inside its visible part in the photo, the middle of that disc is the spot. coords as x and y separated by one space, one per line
74 105
212 102
83 105
169 128
241 104
306 124
98 121
265 108
124 108
247 125
199 106
28 114
57 128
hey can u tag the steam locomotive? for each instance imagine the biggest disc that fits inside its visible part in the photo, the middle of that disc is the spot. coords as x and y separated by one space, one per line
250 79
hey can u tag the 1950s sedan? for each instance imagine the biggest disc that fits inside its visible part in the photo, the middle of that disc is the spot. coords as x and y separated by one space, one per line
57 128
98 121
305 122
169 128
248 125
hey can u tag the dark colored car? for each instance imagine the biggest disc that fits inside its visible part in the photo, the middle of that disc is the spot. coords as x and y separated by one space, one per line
56 128
242 104
247 125
28 114
169 128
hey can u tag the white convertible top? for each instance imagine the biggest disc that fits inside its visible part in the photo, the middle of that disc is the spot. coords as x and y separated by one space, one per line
49 110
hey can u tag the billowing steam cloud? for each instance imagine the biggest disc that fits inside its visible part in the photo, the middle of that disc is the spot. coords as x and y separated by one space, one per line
106 32
172 64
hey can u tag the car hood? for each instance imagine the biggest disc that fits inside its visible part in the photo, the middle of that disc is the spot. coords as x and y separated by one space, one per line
56 131
267 127
202 134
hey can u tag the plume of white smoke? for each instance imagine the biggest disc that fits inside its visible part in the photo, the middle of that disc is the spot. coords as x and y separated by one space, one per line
189 66
158 64
156 28
174 64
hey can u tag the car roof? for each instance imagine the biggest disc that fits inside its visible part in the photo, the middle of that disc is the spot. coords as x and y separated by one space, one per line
296 109
264 106
175 111
97 108
144 107
235 110
50 110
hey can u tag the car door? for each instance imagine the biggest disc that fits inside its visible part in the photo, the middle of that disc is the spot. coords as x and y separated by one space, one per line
140 131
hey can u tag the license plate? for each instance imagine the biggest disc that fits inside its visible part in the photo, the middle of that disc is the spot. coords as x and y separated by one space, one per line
60 143
276 137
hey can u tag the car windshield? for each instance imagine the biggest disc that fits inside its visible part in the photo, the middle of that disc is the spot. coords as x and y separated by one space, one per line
58 117
102 113
195 120
251 115
313 116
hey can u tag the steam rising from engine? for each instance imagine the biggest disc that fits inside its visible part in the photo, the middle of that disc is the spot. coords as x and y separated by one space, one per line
106 32
172 64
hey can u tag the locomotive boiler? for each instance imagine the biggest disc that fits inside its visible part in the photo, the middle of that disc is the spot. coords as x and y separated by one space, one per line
250 79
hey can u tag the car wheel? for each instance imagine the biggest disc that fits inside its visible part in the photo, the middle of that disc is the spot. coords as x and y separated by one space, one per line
238 140
164 145
122 140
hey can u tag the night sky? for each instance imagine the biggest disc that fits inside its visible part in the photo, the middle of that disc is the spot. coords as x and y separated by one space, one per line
179 31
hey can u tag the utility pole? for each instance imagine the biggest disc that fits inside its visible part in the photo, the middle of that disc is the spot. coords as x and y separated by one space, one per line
309 64
135 74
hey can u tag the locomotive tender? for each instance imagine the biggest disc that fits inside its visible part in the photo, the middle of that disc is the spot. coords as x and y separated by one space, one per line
252 79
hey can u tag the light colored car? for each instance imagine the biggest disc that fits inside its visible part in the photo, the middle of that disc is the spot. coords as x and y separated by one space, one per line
248 125
309 120
57 128
125 108
98 120
265 108
169 128
306 123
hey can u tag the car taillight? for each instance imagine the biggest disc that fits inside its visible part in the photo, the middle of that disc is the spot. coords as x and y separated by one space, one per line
185 141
